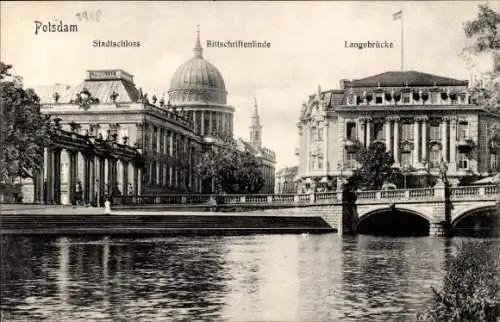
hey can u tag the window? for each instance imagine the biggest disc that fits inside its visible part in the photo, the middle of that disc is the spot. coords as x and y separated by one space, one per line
434 132
314 133
153 172
378 131
154 139
493 162
146 137
407 132
320 134
434 157
406 158
352 99
406 98
463 128
350 162
463 161
320 162
351 131
314 162
434 97
162 143
378 100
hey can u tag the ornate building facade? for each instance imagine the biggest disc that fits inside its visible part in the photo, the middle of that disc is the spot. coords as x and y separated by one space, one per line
422 119
285 181
108 125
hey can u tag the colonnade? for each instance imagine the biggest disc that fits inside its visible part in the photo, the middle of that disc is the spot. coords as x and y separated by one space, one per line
209 122
69 174
172 159
446 140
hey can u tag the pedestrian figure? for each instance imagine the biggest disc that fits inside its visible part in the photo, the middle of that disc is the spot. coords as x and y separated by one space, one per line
107 207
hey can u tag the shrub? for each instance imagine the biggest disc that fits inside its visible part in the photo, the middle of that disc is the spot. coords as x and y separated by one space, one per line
471 286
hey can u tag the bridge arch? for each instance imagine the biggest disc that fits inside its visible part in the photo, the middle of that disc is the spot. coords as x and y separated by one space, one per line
394 221
421 212
474 210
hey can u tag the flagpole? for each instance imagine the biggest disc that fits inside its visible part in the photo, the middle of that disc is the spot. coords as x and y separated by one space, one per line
402 42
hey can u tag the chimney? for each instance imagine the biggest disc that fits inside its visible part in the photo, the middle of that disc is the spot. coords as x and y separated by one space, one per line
343 82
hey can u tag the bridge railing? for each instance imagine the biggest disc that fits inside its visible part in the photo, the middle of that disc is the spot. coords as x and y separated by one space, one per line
316 198
474 191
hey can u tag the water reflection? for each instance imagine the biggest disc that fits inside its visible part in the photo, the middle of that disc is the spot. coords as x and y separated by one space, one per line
258 278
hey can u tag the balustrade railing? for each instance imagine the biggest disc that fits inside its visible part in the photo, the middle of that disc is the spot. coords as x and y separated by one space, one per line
371 194
393 194
421 193
294 199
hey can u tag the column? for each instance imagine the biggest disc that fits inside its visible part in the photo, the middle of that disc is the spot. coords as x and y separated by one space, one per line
453 145
130 179
368 133
97 180
158 174
65 173
202 123
415 160
325 153
91 180
210 123
139 182
424 139
45 171
307 135
106 178
388 135
396 141
444 139
120 176
81 179
57 176
361 131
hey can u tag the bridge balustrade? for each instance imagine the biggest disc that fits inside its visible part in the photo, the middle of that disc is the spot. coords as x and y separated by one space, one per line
371 194
393 194
474 191
325 197
421 193
456 193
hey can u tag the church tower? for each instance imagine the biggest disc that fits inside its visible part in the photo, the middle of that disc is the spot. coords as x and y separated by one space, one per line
255 128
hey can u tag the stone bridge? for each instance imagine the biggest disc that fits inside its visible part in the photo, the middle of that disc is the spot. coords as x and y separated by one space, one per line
440 209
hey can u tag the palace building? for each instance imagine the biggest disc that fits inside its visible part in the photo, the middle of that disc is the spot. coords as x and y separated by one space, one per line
113 138
422 119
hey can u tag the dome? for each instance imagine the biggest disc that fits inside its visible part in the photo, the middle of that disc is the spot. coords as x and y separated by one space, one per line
197 80
197 73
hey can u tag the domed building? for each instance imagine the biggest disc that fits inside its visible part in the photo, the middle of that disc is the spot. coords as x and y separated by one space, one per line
198 88
115 140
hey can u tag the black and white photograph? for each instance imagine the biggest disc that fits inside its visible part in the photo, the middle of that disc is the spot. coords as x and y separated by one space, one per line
250 161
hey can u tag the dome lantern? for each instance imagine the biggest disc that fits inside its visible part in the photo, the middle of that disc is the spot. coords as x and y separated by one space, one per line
197 80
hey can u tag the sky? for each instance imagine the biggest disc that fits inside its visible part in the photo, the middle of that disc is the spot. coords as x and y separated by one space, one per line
307 48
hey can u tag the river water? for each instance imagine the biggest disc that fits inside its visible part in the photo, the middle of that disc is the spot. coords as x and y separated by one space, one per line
243 278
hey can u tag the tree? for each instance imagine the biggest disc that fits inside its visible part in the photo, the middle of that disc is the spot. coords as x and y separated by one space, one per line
484 30
375 168
232 170
24 129
470 290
